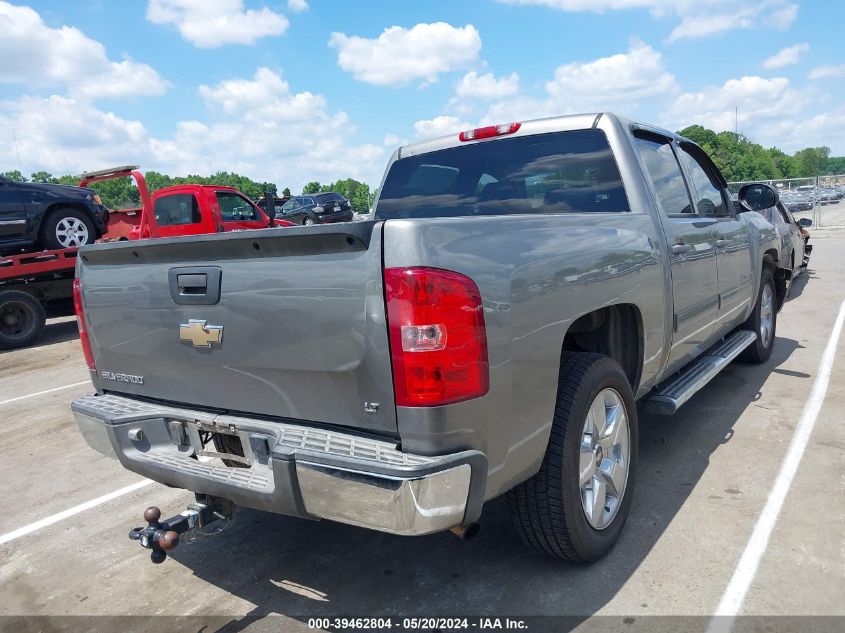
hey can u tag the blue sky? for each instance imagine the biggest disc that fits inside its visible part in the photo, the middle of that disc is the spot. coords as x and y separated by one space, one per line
299 90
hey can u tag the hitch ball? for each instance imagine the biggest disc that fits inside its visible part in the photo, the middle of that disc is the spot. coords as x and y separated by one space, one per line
163 536
156 536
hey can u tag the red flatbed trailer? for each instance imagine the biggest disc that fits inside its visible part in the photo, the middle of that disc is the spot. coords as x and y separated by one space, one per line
34 286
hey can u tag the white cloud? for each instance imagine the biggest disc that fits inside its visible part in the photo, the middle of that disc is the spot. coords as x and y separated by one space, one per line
821 72
440 126
400 55
488 86
617 82
825 129
623 78
760 102
786 56
45 56
257 127
63 135
213 23
393 140
728 16
699 18
298 6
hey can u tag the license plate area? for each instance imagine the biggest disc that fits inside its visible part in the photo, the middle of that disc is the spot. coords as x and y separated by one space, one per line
225 443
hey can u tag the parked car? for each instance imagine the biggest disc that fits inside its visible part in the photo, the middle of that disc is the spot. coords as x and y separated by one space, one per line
318 208
828 195
798 201
519 288
36 216
791 234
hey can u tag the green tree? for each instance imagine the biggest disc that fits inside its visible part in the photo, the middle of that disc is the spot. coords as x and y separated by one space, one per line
812 161
286 192
14 175
312 187
836 165
42 176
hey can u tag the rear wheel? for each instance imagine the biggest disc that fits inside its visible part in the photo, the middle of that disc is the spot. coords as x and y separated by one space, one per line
762 321
308 222
576 505
22 318
66 228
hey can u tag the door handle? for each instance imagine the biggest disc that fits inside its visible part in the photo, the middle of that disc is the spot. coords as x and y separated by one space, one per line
681 249
722 243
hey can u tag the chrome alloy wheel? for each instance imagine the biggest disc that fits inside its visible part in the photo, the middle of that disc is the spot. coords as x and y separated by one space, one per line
71 231
766 315
603 460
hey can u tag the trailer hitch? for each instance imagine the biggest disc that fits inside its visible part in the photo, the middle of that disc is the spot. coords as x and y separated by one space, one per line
163 536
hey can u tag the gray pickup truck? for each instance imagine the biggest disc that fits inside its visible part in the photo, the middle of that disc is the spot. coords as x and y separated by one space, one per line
518 289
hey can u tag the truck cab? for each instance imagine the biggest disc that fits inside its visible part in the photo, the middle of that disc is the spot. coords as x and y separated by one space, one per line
197 209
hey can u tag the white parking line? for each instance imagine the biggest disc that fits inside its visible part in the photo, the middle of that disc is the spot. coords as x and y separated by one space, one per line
82 507
41 393
746 569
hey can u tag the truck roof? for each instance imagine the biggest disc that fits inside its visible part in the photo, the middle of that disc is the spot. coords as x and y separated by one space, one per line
194 187
533 126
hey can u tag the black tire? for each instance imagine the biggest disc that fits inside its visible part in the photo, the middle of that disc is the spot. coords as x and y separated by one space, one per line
22 318
547 509
51 241
760 350
308 221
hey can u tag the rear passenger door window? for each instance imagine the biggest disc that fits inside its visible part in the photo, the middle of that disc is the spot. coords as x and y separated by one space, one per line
666 177
707 190
177 209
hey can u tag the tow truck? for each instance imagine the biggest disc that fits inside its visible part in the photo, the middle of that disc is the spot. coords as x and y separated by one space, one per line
35 286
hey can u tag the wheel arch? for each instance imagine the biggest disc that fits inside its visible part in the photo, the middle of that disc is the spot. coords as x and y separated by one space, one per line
615 331
770 261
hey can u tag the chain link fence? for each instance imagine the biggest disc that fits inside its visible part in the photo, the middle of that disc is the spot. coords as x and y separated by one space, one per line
820 198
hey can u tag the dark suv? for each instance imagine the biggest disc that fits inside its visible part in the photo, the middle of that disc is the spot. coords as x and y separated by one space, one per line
318 208
39 215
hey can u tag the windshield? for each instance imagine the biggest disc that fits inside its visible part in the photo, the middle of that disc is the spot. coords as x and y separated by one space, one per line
563 172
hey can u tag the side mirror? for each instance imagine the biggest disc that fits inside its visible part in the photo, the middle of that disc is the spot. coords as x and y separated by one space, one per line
757 196
805 222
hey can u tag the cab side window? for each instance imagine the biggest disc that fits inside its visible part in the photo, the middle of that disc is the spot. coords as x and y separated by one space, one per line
235 208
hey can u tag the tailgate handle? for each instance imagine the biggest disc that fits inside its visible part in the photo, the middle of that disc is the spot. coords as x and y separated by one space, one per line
192 283
195 285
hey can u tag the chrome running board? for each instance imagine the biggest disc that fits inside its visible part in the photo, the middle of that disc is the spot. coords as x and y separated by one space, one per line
667 397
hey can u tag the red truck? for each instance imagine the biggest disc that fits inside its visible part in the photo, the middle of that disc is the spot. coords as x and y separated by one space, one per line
38 285
181 209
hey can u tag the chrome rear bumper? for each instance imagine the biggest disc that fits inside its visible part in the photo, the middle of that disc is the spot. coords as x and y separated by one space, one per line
289 468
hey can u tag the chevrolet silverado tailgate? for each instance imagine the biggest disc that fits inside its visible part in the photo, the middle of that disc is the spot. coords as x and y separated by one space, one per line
287 323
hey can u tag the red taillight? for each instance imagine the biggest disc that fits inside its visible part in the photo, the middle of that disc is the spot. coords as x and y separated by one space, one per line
438 342
489 131
80 321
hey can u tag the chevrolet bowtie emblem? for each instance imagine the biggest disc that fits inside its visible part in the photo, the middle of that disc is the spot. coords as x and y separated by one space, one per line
198 334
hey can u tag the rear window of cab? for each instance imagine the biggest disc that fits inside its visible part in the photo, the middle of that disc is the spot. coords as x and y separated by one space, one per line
560 172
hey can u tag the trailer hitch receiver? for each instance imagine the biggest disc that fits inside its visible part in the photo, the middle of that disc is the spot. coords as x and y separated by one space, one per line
162 536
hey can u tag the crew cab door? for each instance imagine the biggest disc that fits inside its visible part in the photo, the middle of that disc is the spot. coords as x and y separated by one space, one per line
733 260
692 250
238 213
12 210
